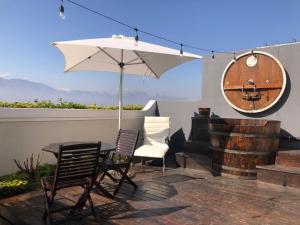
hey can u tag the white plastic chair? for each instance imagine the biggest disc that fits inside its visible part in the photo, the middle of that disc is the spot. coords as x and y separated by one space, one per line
156 136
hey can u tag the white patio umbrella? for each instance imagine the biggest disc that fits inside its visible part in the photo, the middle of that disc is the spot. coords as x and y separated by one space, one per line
122 55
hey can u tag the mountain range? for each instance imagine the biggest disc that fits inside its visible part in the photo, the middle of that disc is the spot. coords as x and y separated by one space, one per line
12 90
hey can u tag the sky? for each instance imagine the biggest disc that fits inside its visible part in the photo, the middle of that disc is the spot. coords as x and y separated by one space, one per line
27 29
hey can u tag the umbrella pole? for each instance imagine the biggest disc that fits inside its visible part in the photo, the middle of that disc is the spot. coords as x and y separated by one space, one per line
120 94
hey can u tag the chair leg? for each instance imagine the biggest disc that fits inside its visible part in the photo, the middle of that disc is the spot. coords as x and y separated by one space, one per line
119 185
101 189
164 165
124 176
84 197
92 205
111 177
131 182
48 202
128 179
102 176
47 214
106 173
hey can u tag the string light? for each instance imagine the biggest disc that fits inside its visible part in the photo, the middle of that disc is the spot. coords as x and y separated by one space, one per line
180 44
136 36
234 57
62 10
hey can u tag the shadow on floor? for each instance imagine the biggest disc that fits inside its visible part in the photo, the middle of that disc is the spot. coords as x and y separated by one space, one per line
155 189
8 217
122 210
160 188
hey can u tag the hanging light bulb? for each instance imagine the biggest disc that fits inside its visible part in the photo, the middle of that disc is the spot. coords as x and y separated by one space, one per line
234 57
212 54
181 51
136 38
62 11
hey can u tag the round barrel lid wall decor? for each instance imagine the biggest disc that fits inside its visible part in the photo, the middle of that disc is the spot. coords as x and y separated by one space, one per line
253 82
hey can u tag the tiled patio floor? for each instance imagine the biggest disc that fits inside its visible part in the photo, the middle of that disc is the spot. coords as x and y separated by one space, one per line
179 197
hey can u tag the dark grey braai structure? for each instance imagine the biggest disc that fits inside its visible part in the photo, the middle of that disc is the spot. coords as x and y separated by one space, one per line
196 149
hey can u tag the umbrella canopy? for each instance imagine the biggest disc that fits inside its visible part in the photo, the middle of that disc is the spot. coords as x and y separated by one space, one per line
122 55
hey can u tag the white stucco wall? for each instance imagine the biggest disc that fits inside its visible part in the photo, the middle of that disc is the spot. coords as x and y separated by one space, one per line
26 131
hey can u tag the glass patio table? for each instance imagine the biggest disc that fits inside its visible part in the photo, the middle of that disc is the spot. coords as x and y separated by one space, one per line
104 153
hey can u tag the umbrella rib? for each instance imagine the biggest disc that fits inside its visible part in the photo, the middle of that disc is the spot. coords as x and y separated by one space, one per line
82 61
107 54
133 60
132 64
129 62
146 64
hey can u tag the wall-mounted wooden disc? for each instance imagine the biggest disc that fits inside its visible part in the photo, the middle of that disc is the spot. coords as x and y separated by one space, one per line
253 82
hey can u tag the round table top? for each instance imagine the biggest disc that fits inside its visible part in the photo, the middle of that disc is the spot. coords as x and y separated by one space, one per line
54 147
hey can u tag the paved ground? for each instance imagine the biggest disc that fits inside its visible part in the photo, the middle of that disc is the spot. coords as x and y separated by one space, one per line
178 197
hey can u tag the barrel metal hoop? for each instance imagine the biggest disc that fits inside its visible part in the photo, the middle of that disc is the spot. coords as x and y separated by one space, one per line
239 152
235 169
243 135
243 177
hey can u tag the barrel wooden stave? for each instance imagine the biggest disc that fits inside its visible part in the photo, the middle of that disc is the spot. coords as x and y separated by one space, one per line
237 146
245 126
245 144
242 161
244 174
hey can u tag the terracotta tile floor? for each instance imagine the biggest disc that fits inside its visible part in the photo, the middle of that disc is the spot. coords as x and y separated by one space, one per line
178 197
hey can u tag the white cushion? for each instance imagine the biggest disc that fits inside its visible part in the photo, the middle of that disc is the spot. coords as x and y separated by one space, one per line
156 150
156 129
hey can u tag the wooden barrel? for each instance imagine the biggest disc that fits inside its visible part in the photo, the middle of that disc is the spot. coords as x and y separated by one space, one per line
239 145
204 112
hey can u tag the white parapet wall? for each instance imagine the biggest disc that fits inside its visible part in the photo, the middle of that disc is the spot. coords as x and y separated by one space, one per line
27 131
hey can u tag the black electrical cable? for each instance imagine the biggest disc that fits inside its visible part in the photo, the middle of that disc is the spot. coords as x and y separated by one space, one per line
180 44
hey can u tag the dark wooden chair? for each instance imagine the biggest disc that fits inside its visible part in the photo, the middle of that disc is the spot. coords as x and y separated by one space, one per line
121 159
76 166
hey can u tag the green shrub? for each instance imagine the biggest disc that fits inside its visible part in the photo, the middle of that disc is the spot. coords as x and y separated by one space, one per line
44 170
64 105
14 184
20 182
29 166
